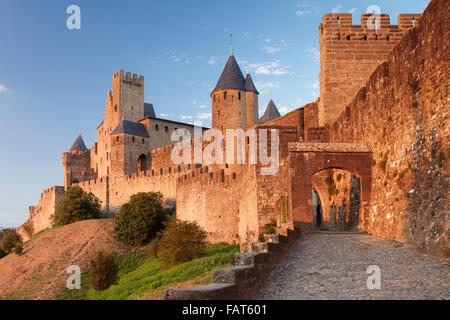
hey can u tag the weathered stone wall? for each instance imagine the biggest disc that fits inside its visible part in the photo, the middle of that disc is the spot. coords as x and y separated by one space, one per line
40 215
228 111
349 54
403 114
201 197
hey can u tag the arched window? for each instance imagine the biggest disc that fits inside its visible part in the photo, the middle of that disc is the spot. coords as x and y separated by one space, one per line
239 95
225 95
132 139
115 108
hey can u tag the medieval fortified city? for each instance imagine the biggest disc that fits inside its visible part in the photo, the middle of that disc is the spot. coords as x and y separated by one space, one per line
343 195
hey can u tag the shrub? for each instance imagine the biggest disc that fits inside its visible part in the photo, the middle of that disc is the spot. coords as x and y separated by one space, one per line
76 205
18 249
28 227
182 241
153 247
103 271
10 240
2 253
140 219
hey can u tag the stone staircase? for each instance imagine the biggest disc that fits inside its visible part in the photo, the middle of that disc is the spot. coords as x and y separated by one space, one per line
243 280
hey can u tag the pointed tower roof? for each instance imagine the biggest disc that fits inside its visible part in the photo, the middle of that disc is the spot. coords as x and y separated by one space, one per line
249 85
78 144
232 77
271 113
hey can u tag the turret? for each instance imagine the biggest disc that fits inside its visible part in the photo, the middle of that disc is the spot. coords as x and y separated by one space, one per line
252 101
271 113
229 107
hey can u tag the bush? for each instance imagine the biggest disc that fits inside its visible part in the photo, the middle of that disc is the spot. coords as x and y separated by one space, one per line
153 247
103 271
2 253
28 227
77 205
140 219
11 239
18 249
181 242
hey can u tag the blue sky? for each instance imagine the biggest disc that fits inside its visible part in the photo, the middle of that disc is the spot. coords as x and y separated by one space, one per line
53 81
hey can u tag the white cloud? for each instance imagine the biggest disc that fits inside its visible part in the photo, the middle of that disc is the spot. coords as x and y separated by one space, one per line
268 68
353 10
203 106
264 87
212 61
271 49
305 8
203 116
268 39
314 53
336 9
163 115
183 117
3 88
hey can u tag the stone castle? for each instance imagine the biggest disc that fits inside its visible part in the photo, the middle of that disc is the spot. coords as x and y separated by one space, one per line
363 123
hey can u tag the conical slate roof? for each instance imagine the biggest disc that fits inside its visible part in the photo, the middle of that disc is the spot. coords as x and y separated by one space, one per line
249 85
232 77
79 144
271 113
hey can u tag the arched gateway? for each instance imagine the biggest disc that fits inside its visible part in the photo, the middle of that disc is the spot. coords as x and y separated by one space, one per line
306 159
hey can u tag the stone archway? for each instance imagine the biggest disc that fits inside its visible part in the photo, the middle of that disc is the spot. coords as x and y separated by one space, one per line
142 163
306 159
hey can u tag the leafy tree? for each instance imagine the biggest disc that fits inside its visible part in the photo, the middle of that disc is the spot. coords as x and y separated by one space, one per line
76 205
29 228
11 240
140 219
103 271
182 241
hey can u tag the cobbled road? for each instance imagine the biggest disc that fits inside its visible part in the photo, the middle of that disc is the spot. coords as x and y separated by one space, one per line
334 266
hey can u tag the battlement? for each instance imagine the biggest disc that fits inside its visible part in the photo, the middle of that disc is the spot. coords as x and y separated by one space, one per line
128 77
350 53
54 189
339 26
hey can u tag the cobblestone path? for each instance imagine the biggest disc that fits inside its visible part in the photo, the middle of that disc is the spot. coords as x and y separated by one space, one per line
334 266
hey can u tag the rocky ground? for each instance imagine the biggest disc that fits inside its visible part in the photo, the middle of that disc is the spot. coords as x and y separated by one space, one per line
334 266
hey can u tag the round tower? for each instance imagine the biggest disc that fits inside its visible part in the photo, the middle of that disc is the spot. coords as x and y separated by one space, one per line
229 106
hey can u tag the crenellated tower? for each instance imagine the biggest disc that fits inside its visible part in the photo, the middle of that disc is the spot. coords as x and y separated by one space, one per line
349 54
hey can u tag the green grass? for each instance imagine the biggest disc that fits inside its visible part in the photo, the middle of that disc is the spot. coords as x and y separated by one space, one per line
140 274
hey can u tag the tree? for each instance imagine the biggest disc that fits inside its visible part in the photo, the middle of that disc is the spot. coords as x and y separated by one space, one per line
182 241
103 271
28 227
11 240
140 219
76 205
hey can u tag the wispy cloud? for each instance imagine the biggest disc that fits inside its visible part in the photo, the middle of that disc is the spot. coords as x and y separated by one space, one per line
314 54
183 117
264 87
271 49
203 115
336 9
202 106
3 88
212 60
305 8
163 115
270 68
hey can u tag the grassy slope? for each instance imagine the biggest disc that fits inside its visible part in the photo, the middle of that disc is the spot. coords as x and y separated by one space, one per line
143 277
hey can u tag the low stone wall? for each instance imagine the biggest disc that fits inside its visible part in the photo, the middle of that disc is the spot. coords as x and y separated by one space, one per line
243 280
